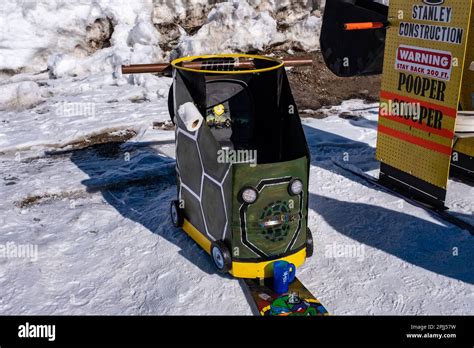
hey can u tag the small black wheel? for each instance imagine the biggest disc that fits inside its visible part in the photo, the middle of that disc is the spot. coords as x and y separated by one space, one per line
177 214
220 254
309 243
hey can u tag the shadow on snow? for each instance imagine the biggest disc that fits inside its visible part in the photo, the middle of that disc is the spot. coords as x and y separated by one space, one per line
139 183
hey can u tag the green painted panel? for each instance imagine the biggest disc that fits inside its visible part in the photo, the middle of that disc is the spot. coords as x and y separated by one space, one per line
274 204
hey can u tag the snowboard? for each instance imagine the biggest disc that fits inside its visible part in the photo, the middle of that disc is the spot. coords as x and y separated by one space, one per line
297 302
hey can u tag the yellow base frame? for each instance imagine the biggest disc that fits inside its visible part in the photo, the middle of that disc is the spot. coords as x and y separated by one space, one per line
264 269
252 270
197 236
465 146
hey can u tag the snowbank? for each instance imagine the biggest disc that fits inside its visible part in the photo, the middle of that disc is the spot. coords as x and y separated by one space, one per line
72 38
230 27
62 34
305 34
20 95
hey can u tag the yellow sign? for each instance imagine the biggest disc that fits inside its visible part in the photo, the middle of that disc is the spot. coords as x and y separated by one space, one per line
423 66
219 110
467 92
465 146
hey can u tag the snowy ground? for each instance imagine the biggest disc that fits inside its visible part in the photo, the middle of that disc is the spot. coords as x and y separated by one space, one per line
99 218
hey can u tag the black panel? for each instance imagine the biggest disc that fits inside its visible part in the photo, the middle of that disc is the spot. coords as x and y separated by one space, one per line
213 207
363 48
412 187
270 258
463 168
189 164
181 96
278 132
195 84
209 148
227 188
221 90
234 94
293 139
192 211
264 89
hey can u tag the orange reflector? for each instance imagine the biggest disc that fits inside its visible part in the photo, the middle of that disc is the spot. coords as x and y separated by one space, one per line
364 26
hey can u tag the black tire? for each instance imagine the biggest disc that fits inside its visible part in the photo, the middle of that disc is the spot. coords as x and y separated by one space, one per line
221 257
177 214
309 243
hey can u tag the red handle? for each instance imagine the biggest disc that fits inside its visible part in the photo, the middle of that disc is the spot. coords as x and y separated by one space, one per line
364 25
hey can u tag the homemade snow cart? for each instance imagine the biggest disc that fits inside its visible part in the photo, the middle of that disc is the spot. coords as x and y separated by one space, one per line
242 168
242 162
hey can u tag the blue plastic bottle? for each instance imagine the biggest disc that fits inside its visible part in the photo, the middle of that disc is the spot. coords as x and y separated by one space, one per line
283 274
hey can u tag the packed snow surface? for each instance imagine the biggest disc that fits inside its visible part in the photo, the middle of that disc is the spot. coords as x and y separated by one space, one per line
92 223
105 244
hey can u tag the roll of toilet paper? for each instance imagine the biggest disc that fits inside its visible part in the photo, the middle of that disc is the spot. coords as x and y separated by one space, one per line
190 116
